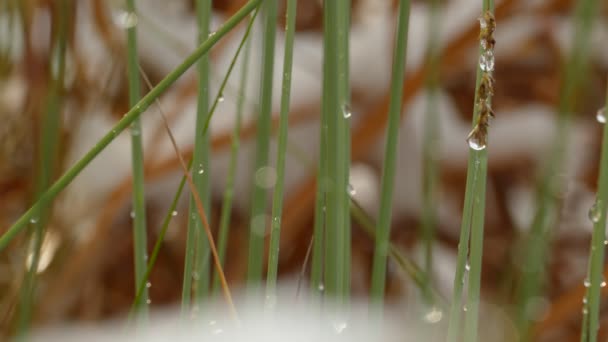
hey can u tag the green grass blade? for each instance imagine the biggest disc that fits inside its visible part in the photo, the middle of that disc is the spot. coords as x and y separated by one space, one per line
472 226
196 264
277 200
123 123
536 244
430 144
140 254
257 230
381 250
49 148
596 256
226 213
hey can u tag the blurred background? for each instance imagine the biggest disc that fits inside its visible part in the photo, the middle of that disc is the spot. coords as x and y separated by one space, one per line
85 272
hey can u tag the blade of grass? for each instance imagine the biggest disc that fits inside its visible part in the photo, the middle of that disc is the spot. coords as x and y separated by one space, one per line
537 243
196 264
234 150
598 238
381 250
123 123
474 211
49 148
171 213
336 94
257 229
430 144
277 200
140 254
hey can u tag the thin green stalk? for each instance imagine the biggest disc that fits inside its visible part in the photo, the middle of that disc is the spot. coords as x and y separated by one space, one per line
171 212
537 243
381 250
336 94
430 145
196 264
332 253
597 214
49 148
257 230
140 254
226 213
277 199
473 215
123 123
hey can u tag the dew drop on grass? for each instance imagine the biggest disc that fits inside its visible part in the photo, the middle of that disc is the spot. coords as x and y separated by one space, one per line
586 282
149 301
350 189
467 267
434 315
603 283
346 111
321 287
475 143
486 61
34 220
132 214
174 213
221 98
605 242
595 212
200 169
126 20
148 284
600 116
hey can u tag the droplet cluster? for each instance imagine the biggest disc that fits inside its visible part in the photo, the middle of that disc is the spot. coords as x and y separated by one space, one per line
478 137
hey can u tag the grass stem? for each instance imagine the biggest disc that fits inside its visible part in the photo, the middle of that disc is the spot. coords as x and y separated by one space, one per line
277 200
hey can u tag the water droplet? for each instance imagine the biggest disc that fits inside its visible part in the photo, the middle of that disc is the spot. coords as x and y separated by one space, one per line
212 33
586 282
434 315
132 214
603 283
200 169
351 190
126 20
266 177
600 116
584 300
585 310
340 326
465 309
221 98
148 284
321 287
486 61
346 111
34 220
212 322
475 142
467 267
595 212
605 242
149 301
174 213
